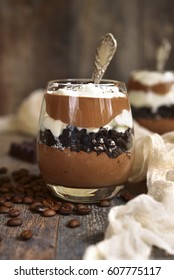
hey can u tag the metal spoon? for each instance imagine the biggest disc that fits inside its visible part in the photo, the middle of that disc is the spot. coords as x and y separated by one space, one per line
105 50
162 55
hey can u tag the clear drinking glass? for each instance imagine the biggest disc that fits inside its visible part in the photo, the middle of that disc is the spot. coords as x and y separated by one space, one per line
85 143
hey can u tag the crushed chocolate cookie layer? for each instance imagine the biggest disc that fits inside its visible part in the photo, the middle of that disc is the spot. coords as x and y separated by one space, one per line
145 112
111 142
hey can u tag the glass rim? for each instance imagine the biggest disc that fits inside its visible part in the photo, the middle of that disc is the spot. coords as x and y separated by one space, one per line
80 80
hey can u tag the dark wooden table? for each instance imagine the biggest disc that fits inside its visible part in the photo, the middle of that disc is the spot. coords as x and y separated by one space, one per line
52 239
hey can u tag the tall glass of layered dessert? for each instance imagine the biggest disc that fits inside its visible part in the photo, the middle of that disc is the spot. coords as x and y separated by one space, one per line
151 95
85 142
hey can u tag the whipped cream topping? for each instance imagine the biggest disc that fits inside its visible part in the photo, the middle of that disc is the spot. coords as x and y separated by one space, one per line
151 78
121 122
141 99
87 90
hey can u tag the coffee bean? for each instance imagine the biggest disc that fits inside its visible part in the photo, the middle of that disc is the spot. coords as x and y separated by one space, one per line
42 208
27 200
56 207
20 172
73 223
34 206
14 222
49 213
8 196
36 188
5 179
6 185
3 170
14 213
2 200
68 205
4 189
104 203
48 203
83 209
126 195
17 199
52 204
24 180
8 204
65 209
26 234
4 209
19 190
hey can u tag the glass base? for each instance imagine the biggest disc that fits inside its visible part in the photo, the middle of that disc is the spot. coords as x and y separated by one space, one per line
84 195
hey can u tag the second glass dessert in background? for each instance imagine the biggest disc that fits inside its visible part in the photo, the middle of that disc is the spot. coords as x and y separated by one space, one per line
151 95
85 141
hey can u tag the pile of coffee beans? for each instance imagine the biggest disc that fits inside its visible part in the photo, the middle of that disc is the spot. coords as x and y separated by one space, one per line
145 112
22 187
111 142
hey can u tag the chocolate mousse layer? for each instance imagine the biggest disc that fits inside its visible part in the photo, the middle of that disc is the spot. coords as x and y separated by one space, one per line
160 126
85 111
161 121
160 88
82 169
111 142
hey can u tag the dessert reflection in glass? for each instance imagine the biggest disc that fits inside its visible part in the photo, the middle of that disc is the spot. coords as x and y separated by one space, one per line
151 95
85 143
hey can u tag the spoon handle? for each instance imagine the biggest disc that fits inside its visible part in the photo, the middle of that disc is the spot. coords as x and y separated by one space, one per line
162 55
105 50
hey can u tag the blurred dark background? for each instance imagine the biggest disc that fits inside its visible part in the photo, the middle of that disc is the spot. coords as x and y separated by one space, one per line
41 40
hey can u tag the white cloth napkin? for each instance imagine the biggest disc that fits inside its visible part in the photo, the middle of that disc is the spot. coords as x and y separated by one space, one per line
147 220
25 119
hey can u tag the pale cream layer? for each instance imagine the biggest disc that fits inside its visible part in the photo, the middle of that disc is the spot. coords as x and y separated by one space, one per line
82 170
154 81
151 100
120 123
